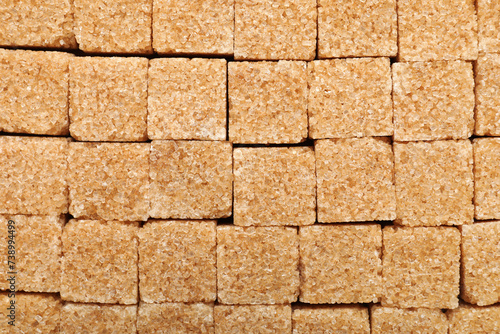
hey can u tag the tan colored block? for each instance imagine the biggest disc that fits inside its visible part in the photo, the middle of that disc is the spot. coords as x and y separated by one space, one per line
187 99
253 319
267 102
437 30
350 98
274 186
487 178
177 261
191 179
38 23
434 183
33 175
193 26
470 319
257 265
357 29
433 100
487 95
488 18
113 26
340 264
388 320
109 181
99 263
175 318
331 319
108 98
95 318
355 180
282 29
421 267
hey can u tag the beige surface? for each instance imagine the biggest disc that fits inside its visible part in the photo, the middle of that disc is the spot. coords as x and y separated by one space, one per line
388 320
487 95
469 319
487 178
352 319
488 17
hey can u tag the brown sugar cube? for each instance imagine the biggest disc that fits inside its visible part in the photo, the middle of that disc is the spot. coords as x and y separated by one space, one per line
274 186
257 265
351 319
357 29
281 29
34 88
177 261
33 175
193 26
175 318
37 23
487 97
95 318
99 263
488 18
421 267
437 30
340 264
109 181
388 320
350 98
434 183
108 98
253 319
433 100
487 178
191 179
355 180
470 319
113 26
187 99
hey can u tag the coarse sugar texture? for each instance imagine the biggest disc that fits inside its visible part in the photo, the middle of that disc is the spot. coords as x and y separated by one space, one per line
180 318
33 175
187 99
113 26
355 180
471 319
351 28
257 265
193 27
389 320
437 30
99 263
191 179
421 267
488 18
434 183
34 88
267 102
351 319
109 181
253 319
433 100
488 94
487 178
350 98
108 98
274 186
340 264
480 263
281 29
177 261
98 318
37 23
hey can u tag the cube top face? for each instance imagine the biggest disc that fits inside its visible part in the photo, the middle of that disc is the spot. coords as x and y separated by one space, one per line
340 263
394 320
108 98
434 183
257 265
433 100
421 267
350 98
113 26
487 97
253 319
355 180
103 269
283 29
95 318
488 17
353 29
486 178
187 99
437 30
331 319
191 179
268 102
274 186
471 319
